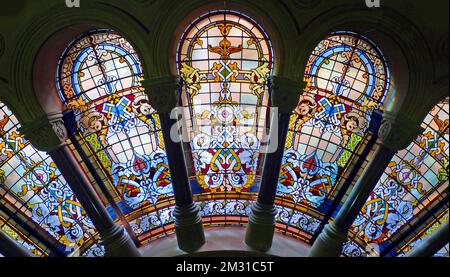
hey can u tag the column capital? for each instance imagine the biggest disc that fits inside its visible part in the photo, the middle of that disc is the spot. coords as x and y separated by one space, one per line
397 131
46 133
162 92
285 93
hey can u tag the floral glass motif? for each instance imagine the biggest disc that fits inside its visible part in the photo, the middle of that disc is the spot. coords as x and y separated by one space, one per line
31 182
99 79
414 180
347 80
225 59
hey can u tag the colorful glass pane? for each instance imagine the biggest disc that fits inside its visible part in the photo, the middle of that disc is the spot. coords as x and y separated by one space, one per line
415 179
99 79
352 249
225 59
96 250
347 80
31 182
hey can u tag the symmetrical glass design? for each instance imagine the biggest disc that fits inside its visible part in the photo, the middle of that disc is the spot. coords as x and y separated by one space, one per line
99 79
347 80
32 185
225 59
414 181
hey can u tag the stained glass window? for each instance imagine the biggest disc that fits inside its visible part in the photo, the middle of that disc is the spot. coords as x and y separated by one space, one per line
99 79
415 181
32 187
225 59
347 80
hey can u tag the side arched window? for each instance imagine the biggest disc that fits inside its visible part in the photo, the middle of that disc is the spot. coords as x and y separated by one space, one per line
33 191
413 186
99 80
347 81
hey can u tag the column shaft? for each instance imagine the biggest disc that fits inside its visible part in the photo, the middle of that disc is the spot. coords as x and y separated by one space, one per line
272 162
188 222
71 126
364 186
53 250
396 132
163 95
116 241
329 242
432 244
10 248
355 167
261 223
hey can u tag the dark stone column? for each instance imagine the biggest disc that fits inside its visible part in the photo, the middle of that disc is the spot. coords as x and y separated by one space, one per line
261 224
50 135
71 127
431 244
395 133
163 93
10 248
354 168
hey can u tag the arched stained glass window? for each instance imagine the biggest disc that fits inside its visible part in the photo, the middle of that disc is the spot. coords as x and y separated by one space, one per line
225 59
32 187
99 79
347 80
414 182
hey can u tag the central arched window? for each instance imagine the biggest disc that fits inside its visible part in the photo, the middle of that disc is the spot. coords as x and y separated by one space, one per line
99 79
225 59
347 81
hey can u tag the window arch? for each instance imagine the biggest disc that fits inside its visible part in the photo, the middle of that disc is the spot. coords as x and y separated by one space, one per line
225 59
414 183
33 189
98 79
347 80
